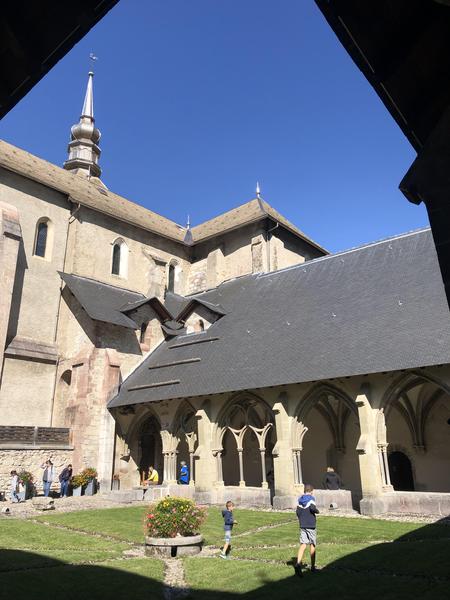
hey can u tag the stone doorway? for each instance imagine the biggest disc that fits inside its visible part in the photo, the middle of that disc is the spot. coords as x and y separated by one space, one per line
150 449
400 471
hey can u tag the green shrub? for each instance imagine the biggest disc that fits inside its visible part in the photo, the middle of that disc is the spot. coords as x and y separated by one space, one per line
83 478
89 474
77 481
174 516
25 477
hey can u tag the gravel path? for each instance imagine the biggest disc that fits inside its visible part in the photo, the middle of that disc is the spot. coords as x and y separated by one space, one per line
174 583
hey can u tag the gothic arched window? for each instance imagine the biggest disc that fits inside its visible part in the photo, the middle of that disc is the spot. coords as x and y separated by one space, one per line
116 260
119 263
171 279
41 238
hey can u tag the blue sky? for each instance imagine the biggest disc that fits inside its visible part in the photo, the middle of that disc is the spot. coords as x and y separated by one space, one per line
198 100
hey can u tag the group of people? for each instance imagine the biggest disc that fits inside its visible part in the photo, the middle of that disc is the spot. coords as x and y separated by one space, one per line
17 492
153 475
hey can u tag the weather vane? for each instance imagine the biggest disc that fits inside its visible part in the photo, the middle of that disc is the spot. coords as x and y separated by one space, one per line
92 58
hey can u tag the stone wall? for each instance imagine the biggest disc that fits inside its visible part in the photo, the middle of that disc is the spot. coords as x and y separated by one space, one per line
31 459
149 255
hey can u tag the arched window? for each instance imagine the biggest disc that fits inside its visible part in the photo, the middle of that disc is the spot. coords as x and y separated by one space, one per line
119 263
171 279
116 260
40 245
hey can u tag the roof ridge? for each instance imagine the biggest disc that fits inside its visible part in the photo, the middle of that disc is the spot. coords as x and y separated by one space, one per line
223 214
348 251
313 261
80 180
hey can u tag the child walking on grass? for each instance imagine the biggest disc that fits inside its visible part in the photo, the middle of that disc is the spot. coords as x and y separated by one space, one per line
306 513
228 522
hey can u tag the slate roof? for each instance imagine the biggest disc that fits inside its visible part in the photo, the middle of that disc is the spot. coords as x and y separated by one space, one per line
101 301
98 198
175 303
381 307
82 191
247 213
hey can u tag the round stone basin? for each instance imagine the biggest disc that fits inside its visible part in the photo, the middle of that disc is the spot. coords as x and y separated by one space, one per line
173 547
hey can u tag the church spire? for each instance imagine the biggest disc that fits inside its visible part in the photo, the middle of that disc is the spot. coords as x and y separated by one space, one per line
83 149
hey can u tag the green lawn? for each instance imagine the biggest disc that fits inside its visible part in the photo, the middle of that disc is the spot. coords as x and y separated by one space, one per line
126 523
358 558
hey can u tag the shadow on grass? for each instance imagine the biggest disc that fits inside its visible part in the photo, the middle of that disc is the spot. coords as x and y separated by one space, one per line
31 576
416 564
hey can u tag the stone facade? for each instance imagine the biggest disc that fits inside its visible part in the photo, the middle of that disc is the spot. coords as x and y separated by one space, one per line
59 366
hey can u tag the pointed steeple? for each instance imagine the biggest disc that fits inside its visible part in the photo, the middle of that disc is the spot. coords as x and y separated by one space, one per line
88 106
83 149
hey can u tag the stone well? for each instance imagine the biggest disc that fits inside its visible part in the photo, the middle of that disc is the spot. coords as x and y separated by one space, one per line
173 547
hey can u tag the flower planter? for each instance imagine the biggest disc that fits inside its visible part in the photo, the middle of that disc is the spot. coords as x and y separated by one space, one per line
77 491
91 488
173 547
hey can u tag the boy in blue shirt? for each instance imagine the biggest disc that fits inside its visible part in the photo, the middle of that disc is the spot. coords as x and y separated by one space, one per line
306 513
228 522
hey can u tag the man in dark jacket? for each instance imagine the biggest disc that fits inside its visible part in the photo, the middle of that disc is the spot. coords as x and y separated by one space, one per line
64 479
306 513
332 480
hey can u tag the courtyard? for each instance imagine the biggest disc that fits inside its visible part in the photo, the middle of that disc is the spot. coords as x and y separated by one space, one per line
98 553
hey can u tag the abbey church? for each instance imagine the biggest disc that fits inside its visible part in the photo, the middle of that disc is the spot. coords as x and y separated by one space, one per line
239 346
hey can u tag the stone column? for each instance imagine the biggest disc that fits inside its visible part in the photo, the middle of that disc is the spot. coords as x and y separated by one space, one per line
282 452
263 468
384 468
206 461
10 240
169 445
219 474
165 467
191 468
297 460
241 467
367 447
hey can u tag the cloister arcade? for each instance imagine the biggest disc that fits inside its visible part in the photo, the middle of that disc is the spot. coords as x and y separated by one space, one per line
275 441
244 443
416 412
325 434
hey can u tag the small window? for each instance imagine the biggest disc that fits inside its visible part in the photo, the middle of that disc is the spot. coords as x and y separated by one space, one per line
119 258
41 239
201 325
143 332
171 281
116 260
